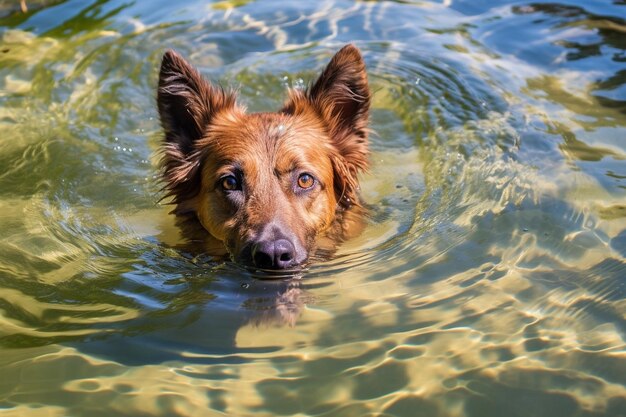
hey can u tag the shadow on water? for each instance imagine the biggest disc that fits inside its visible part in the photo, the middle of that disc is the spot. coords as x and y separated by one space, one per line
199 323
139 303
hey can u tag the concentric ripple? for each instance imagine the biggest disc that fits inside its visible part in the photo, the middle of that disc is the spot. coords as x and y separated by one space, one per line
488 281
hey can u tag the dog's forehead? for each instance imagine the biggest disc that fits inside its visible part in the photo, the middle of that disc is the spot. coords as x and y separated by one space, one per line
277 141
282 129
269 135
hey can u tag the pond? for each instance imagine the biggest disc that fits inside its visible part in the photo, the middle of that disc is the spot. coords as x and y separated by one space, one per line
490 279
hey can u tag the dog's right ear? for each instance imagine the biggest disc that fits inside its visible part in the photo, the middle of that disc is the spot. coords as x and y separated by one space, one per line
187 103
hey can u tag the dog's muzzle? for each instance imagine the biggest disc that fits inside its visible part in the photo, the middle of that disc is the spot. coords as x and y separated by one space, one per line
275 250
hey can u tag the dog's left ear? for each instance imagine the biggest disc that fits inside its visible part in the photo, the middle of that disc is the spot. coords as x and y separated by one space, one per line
341 97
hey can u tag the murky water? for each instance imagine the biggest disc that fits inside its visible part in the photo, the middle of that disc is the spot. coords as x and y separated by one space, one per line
491 280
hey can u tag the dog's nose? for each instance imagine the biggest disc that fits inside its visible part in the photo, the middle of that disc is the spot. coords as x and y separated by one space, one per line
274 254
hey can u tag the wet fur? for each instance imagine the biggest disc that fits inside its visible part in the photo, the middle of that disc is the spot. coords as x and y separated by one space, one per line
321 131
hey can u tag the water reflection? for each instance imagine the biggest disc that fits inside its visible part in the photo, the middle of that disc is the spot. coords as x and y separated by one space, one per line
488 282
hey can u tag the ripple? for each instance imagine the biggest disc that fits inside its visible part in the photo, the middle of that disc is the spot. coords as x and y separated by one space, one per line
490 273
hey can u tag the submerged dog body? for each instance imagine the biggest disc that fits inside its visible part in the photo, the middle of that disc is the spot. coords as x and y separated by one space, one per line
269 186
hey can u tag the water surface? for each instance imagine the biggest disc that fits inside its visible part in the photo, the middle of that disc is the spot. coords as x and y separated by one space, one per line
490 280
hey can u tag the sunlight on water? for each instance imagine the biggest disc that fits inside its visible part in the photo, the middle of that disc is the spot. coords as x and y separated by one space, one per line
488 282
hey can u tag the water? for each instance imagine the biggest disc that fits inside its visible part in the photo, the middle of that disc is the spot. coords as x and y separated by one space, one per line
490 280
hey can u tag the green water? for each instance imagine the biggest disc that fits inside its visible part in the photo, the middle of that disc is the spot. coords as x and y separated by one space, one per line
490 280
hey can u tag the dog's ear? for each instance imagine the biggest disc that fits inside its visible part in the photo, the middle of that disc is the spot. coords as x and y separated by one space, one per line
342 94
186 103
341 97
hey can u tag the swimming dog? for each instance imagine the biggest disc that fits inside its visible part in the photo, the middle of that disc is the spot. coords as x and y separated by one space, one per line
271 187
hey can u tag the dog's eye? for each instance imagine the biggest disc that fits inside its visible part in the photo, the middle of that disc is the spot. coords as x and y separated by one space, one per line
230 183
306 181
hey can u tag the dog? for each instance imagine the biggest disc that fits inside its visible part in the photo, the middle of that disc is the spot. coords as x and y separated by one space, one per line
271 188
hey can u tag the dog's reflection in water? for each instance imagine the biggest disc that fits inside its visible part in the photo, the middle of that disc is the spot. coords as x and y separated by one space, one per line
276 302
269 297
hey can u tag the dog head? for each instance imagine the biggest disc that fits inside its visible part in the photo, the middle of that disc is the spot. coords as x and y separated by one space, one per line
266 184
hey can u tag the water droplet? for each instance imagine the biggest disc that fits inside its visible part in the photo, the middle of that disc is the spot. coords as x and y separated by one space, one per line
298 84
245 285
417 81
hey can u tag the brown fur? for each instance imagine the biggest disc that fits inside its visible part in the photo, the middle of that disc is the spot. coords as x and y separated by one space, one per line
321 132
